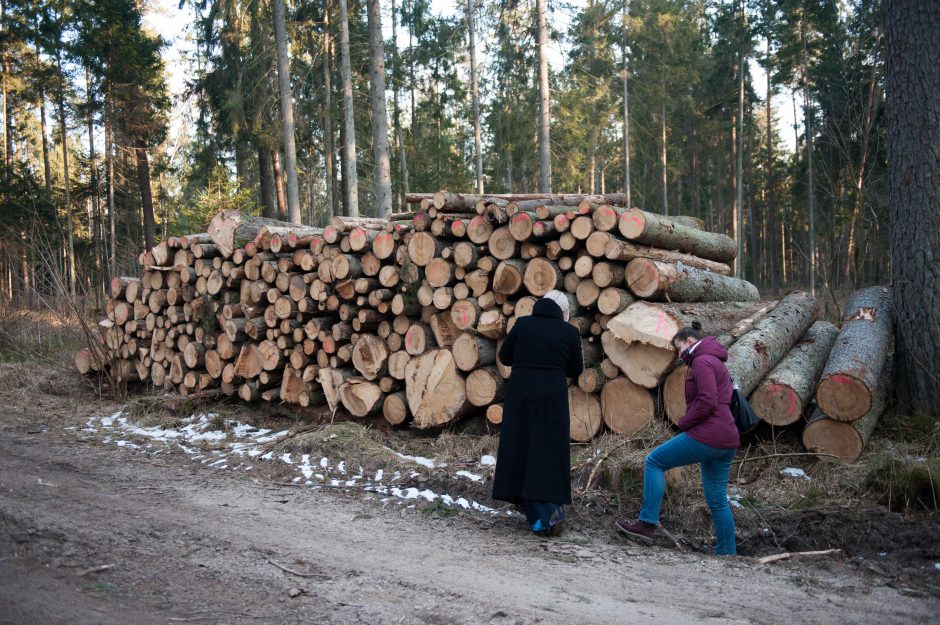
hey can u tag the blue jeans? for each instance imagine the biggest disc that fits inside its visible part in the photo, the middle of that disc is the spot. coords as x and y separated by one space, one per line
716 467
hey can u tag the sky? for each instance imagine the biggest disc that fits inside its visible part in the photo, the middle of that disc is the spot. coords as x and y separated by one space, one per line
172 23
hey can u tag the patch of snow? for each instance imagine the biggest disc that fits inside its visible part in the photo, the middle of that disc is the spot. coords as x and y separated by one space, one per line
268 455
488 461
272 437
473 477
324 463
379 475
341 467
285 458
795 473
424 462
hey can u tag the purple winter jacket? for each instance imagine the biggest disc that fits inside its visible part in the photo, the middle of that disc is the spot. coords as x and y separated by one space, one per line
708 389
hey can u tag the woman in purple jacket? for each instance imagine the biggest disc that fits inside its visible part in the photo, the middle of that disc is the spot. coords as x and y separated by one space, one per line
709 437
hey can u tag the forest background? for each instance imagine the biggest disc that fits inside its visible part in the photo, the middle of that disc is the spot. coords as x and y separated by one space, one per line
764 117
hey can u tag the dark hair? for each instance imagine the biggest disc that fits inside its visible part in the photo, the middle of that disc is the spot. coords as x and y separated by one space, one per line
689 332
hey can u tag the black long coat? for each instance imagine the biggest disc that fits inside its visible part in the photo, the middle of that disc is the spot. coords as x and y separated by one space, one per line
534 455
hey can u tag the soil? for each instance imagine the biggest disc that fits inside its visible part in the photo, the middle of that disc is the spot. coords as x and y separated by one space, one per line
98 534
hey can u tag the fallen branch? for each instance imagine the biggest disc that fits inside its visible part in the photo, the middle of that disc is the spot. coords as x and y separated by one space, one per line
745 459
94 569
786 556
297 573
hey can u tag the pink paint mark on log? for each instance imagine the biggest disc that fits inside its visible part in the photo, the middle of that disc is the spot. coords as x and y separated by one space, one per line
661 319
842 379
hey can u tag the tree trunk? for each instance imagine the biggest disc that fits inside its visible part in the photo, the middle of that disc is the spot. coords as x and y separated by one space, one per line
846 388
545 148
782 397
46 166
475 96
664 163
350 177
278 185
109 172
650 279
266 178
328 149
739 162
383 167
668 234
63 128
846 441
435 390
615 249
912 33
810 172
97 229
626 110
771 242
287 113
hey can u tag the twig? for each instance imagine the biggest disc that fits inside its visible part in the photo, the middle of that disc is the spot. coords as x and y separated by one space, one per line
818 453
786 556
94 569
669 535
297 573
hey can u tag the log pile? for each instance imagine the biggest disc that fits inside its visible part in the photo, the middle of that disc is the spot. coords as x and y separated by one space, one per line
404 317
856 380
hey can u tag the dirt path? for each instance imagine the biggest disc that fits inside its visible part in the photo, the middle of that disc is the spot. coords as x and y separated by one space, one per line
191 545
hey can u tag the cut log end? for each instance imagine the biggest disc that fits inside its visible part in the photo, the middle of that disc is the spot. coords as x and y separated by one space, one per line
777 404
844 397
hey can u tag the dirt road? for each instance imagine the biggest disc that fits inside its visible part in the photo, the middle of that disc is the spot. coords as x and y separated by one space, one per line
182 543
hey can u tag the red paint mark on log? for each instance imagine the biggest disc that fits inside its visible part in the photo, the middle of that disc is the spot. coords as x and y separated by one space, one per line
842 379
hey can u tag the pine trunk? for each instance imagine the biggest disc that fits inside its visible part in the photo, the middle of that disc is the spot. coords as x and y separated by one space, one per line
350 177
287 113
668 234
383 167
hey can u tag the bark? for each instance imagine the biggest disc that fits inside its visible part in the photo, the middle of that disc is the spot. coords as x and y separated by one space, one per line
626 110
67 184
810 171
545 149
350 177
278 185
475 96
287 113
782 397
266 179
752 356
668 234
912 34
847 385
328 149
436 392
626 407
847 440
383 167
652 279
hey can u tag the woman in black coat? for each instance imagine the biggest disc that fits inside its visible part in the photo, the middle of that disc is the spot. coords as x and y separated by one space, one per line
534 464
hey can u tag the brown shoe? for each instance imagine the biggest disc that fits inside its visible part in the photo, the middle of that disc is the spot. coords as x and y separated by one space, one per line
640 531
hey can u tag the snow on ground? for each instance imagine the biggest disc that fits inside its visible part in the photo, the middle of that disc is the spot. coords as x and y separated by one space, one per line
239 441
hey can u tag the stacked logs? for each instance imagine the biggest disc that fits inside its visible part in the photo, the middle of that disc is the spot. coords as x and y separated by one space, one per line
405 316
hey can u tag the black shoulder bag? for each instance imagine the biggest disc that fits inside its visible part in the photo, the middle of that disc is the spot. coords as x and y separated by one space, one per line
745 418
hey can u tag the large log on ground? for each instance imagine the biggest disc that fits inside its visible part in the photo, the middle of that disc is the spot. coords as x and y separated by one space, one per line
652 279
656 324
781 398
756 352
847 440
230 230
584 411
435 390
625 406
847 384
360 397
662 232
